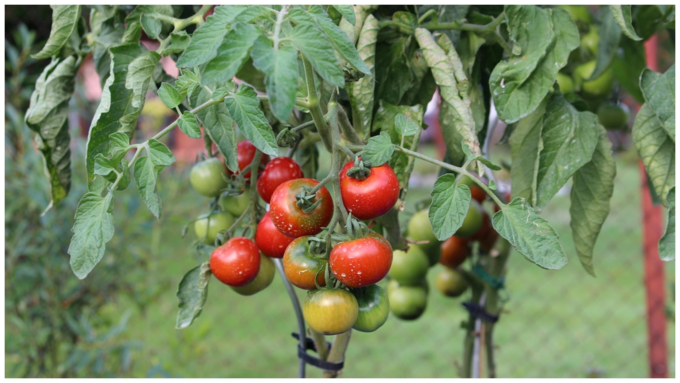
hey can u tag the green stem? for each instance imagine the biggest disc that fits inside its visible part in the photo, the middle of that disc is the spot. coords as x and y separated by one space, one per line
314 106
254 167
320 343
426 15
302 126
347 129
337 353
459 26
180 24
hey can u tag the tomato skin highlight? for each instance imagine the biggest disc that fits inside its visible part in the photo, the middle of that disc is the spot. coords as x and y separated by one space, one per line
206 177
245 154
361 262
235 263
278 171
372 197
269 239
374 308
330 312
455 251
208 226
262 280
290 219
301 266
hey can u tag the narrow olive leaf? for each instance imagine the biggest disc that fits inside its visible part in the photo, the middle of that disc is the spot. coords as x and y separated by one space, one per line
92 230
530 234
47 116
159 154
115 112
525 147
146 176
667 242
659 91
518 85
244 109
315 47
622 15
450 204
169 95
656 149
378 150
281 74
590 195
361 92
569 139
405 126
231 54
347 12
64 21
338 39
219 126
189 125
608 44
209 36
627 66
192 293
455 115
179 41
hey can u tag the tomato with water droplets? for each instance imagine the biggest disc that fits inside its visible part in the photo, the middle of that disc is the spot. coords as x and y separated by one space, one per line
371 197
235 263
290 218
361 262
301 266
278 171
269 239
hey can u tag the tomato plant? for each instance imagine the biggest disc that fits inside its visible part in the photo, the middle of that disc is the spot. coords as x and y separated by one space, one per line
340 89
374 308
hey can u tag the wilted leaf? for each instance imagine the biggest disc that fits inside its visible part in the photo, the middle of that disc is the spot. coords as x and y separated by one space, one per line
192 293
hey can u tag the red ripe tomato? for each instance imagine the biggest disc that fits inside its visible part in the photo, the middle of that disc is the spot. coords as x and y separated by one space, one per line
274 174
454 251
478 194
236 263
371 197
246 152
487 242
301 266
361 262
269 239
290 219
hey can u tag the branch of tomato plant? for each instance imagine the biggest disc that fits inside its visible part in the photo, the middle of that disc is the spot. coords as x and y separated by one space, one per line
254 167
298 313
315 107
181 24
337 353
489 30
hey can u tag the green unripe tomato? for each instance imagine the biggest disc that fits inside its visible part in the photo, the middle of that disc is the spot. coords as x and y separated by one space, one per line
420 229
472 222
613 116
433 253
262 280
330 311
409 268
392 285
566 83
208 226
374 308
596 88
206 177
408 302
451 282
591 39
235 204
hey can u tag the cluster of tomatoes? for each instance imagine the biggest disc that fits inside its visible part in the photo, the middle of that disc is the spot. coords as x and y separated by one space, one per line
339 270
408 288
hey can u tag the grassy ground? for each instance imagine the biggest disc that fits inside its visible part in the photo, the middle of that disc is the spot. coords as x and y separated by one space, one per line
559 323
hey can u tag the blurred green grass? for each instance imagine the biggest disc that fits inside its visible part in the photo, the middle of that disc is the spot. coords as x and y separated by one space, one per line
560 323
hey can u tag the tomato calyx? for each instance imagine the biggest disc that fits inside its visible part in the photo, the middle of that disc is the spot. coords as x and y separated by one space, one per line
287 137
361 169
305 198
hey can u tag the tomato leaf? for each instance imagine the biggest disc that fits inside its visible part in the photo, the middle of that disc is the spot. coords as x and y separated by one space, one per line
569 138
361 93
656 149
138 76
393 76
92 230
47 116
64 21
192 293
314 46
119 144
159 154
146 176
608 45
347 11
281 75
543 40
446 14
525 147
667 242
220 127
169 95
590 195
628 65
622 15
450 204
659 91
151 26
530 234
231 54
188 124
405 126
378 150
187 83
179 41
244 109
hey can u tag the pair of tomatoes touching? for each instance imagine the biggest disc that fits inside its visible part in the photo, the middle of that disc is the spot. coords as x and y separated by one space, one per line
239 264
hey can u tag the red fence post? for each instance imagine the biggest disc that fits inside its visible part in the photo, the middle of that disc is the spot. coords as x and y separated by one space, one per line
652 219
